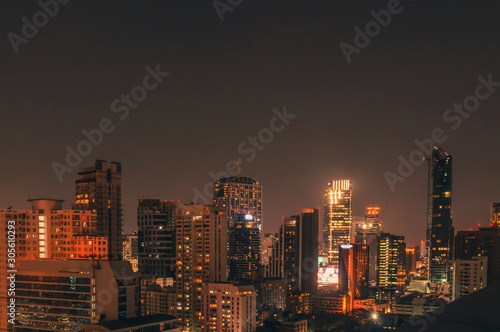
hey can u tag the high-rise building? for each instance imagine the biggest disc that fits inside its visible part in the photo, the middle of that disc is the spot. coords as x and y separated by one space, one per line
156 237
275 267
239 195
366 231
411 259
244 248
227 307
495 215
337 218
44 232
441 233
131 250
289 245
201 240
65 295
467 276
306 254
391 260
98 189
353 270
484 242
266 248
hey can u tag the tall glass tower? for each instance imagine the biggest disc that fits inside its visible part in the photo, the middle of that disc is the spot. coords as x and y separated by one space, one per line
337 218
441 230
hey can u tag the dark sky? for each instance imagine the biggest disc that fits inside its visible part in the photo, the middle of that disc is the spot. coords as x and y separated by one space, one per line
353 120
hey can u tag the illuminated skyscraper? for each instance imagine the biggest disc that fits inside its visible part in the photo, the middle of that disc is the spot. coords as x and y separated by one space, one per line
367 231
201 240
98 189
239 195
244 248
391 260
156 237
441 230
337 218
353 270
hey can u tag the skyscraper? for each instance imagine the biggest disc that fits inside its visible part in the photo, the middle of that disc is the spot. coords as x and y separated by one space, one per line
156 237
391 260
484 242
306 254
367 231
441 230
353 270
337 218
98 189
201 240
244 248
239 195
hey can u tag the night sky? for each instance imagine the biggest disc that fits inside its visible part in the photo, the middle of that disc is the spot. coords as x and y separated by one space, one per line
352 120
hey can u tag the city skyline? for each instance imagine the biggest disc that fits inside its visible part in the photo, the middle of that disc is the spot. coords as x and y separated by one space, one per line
248 68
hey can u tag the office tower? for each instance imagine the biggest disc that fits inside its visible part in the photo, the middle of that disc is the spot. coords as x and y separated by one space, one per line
244 248
391 260
131 250
226 307
467 276
366 231
275 267
239 195
411 259
98 189
353 270
201 240
306 254
156 237
289 245
495 215
484 242
68 294
267 243
440 229
337 218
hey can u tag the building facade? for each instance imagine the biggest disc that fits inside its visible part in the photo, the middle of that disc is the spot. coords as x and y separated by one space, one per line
337 218
98 189
156 237
201 240
244 248
467 276
442 232
391 260
66 295
239 195
227 307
